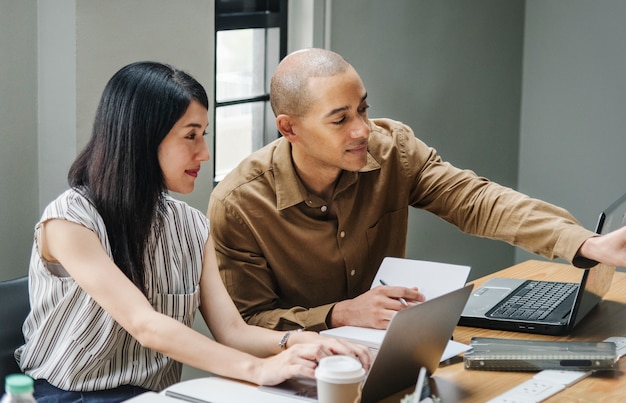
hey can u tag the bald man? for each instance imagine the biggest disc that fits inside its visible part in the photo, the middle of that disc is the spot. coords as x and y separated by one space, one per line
302 225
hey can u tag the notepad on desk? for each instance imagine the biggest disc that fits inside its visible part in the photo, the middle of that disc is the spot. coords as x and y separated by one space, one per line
433 279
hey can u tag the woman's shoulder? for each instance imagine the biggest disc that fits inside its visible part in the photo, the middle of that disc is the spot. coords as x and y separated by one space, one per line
73 205
182 208
72 200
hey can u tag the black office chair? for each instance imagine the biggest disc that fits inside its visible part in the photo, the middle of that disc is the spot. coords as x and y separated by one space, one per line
14 306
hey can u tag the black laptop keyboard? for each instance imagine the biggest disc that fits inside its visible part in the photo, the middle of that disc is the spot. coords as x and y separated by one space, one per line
534 300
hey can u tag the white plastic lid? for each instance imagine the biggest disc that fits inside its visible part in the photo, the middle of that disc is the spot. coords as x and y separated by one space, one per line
339 369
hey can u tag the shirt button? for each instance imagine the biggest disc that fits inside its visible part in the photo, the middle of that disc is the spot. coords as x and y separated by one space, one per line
324 208
342 234
353 272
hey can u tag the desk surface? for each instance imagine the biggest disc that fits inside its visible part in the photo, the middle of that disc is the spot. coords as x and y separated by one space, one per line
456 384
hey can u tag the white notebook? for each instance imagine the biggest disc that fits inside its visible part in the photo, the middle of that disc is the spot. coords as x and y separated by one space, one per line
432 278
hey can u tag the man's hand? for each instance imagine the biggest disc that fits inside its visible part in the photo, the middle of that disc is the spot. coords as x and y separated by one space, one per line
608 249
374 308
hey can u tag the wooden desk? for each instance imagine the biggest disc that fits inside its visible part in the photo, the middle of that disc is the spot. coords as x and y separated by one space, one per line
456 384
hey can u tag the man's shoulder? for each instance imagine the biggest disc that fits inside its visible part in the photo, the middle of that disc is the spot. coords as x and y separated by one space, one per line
389 128
389 133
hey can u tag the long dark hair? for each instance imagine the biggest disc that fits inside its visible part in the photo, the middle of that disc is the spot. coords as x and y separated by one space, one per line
119 168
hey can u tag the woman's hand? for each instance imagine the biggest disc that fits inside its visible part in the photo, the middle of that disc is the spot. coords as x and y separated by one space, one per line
301 359
304 351
334 346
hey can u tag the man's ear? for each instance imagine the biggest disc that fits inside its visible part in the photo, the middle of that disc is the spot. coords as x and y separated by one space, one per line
284 123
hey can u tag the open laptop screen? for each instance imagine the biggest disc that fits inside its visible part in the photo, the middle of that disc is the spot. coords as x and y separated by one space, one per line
599 277
613 217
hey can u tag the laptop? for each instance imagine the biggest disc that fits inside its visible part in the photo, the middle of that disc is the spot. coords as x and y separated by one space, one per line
508 304
415 338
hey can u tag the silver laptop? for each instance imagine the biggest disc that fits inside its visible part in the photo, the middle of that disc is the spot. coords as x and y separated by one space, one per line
416 337
544 307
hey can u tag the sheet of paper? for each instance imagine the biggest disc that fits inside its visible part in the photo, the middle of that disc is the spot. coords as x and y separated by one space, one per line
151 397
373 338
215 389
432 278
363 335
453 349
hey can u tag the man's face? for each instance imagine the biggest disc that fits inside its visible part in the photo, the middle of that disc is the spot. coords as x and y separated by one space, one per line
333 133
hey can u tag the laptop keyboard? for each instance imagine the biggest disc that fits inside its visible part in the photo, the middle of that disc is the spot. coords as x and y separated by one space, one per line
535 300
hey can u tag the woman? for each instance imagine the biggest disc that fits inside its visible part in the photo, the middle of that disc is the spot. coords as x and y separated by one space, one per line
119 267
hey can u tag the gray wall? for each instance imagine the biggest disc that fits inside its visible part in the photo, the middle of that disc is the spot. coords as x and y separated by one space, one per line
55 59
113 33
452 71
78 45
18 134
529 94
573 105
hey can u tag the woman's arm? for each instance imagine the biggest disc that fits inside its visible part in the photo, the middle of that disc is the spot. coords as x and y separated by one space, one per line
227 326
77 248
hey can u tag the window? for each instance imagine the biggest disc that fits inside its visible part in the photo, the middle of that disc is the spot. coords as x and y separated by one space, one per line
250 40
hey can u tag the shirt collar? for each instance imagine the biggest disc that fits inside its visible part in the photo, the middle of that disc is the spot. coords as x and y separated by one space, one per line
289 188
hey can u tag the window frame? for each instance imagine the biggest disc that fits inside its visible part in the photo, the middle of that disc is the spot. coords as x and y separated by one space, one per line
248 14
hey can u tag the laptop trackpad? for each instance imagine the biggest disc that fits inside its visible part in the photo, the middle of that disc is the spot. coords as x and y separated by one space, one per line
489 294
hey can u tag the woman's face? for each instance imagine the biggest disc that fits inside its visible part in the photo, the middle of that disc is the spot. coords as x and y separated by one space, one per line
183 149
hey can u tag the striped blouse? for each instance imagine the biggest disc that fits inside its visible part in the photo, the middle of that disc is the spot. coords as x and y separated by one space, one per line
72 342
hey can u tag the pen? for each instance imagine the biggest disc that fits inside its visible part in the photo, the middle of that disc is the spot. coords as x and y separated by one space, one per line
402 300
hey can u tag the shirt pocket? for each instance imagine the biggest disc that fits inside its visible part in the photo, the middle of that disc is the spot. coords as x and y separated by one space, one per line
181 307
387 237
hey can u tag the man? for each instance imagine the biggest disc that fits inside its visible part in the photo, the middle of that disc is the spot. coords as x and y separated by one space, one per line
302 225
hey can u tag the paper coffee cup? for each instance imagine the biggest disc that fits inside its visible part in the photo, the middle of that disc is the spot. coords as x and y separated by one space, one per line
339 379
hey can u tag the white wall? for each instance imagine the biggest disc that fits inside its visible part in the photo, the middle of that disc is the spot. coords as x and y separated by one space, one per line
307 24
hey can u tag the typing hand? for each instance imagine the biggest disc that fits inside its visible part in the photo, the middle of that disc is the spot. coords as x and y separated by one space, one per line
374 308
301 359
334 346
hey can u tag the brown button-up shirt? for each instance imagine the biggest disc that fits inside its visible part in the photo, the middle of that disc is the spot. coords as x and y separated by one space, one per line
286 262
